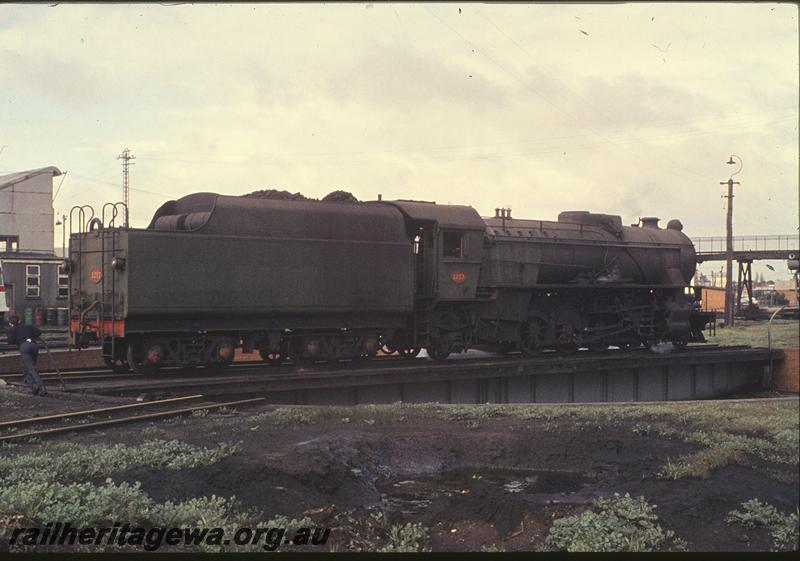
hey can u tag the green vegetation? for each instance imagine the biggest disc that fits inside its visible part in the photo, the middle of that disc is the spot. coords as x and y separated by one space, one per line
784 528
785 334
86 504
65 462
78 503
700 464
406 538
621 523
49 485
739 433
288 416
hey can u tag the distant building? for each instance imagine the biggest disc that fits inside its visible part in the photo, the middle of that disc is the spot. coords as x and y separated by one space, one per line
32 273
713 299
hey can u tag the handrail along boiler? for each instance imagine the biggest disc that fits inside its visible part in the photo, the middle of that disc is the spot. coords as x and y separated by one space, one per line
309 281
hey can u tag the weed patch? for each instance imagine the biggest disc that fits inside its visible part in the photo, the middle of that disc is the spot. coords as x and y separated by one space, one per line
89 505
406 538
61 462
621 523
783 528
700 464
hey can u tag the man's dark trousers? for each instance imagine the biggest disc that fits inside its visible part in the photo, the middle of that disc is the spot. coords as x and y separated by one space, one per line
29 353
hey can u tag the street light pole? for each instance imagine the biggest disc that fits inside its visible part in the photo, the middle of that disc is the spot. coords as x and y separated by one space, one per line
729 298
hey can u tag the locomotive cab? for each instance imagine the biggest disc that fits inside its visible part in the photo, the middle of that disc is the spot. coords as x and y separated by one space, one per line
448 249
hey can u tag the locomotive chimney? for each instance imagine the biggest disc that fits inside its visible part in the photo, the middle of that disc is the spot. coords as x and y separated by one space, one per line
649 222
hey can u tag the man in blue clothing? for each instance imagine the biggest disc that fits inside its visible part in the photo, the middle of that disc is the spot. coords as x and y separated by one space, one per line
24 337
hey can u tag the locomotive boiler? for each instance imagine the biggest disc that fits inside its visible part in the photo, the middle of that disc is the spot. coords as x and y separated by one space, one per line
308 281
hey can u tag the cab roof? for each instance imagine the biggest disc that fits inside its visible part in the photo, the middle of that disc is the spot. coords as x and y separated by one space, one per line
459 217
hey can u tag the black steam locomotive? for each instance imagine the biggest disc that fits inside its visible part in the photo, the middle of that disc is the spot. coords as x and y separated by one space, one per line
312 281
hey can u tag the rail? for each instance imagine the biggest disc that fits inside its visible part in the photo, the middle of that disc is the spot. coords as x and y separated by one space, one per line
73 427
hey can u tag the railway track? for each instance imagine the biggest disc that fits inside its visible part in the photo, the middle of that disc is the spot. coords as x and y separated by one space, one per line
103 373
241 367
85 419
475 377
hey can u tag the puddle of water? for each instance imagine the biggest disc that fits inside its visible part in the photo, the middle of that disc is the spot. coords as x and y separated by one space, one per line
411 496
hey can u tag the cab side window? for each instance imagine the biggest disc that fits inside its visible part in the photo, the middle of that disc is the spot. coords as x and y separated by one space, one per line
452 244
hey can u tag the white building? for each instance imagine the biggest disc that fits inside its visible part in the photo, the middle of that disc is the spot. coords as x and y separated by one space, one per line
26 210
33 279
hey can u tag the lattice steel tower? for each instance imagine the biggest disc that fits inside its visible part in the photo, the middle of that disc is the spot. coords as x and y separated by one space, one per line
126 158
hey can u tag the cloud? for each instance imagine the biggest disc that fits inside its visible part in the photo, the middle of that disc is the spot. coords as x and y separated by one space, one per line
400 76
49 76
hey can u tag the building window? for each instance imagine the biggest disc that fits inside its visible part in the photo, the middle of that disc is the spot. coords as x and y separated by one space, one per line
33 275
452 244
63 283
9 244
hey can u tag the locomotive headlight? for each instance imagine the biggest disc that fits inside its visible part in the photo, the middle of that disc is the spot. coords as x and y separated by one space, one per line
118 263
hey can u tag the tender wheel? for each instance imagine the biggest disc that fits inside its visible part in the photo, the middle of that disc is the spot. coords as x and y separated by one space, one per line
366 347
138 359
224 354
532 335
118 365
305 352
409 352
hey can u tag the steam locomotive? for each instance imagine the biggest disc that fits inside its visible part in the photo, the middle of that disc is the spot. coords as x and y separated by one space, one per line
311 281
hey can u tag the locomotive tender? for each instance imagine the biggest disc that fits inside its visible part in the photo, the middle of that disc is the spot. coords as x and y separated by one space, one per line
310 281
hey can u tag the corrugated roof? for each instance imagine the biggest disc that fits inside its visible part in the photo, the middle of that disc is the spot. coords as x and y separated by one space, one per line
20 176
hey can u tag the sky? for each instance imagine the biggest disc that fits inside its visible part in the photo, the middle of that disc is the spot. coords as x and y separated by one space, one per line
629 109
